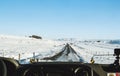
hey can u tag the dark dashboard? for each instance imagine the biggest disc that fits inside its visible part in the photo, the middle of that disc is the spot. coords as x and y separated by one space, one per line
11 67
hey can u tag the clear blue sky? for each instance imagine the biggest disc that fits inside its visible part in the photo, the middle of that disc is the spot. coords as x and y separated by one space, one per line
86 19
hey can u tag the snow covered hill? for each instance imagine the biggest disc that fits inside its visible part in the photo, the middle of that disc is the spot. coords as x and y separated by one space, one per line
25 48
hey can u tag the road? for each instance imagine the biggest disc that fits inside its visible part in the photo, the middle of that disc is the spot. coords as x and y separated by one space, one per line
67 54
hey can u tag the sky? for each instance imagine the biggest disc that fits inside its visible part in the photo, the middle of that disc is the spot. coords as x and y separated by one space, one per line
84 19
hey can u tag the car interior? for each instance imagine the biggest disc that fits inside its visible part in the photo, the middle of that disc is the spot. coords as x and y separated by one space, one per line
11 67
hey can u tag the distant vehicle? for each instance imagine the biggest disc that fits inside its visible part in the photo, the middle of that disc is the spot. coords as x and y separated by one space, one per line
35 36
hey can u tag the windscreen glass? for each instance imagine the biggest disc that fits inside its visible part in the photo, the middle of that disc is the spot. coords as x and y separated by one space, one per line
85 31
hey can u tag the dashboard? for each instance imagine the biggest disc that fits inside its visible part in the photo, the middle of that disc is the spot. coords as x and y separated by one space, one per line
11 67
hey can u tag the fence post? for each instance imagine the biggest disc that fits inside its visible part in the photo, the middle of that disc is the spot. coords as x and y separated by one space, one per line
108 53
19 57
3 53
34 55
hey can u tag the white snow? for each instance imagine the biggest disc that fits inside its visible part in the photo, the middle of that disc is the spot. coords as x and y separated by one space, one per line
12 46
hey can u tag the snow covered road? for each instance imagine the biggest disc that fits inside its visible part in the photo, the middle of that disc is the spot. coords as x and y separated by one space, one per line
67 54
